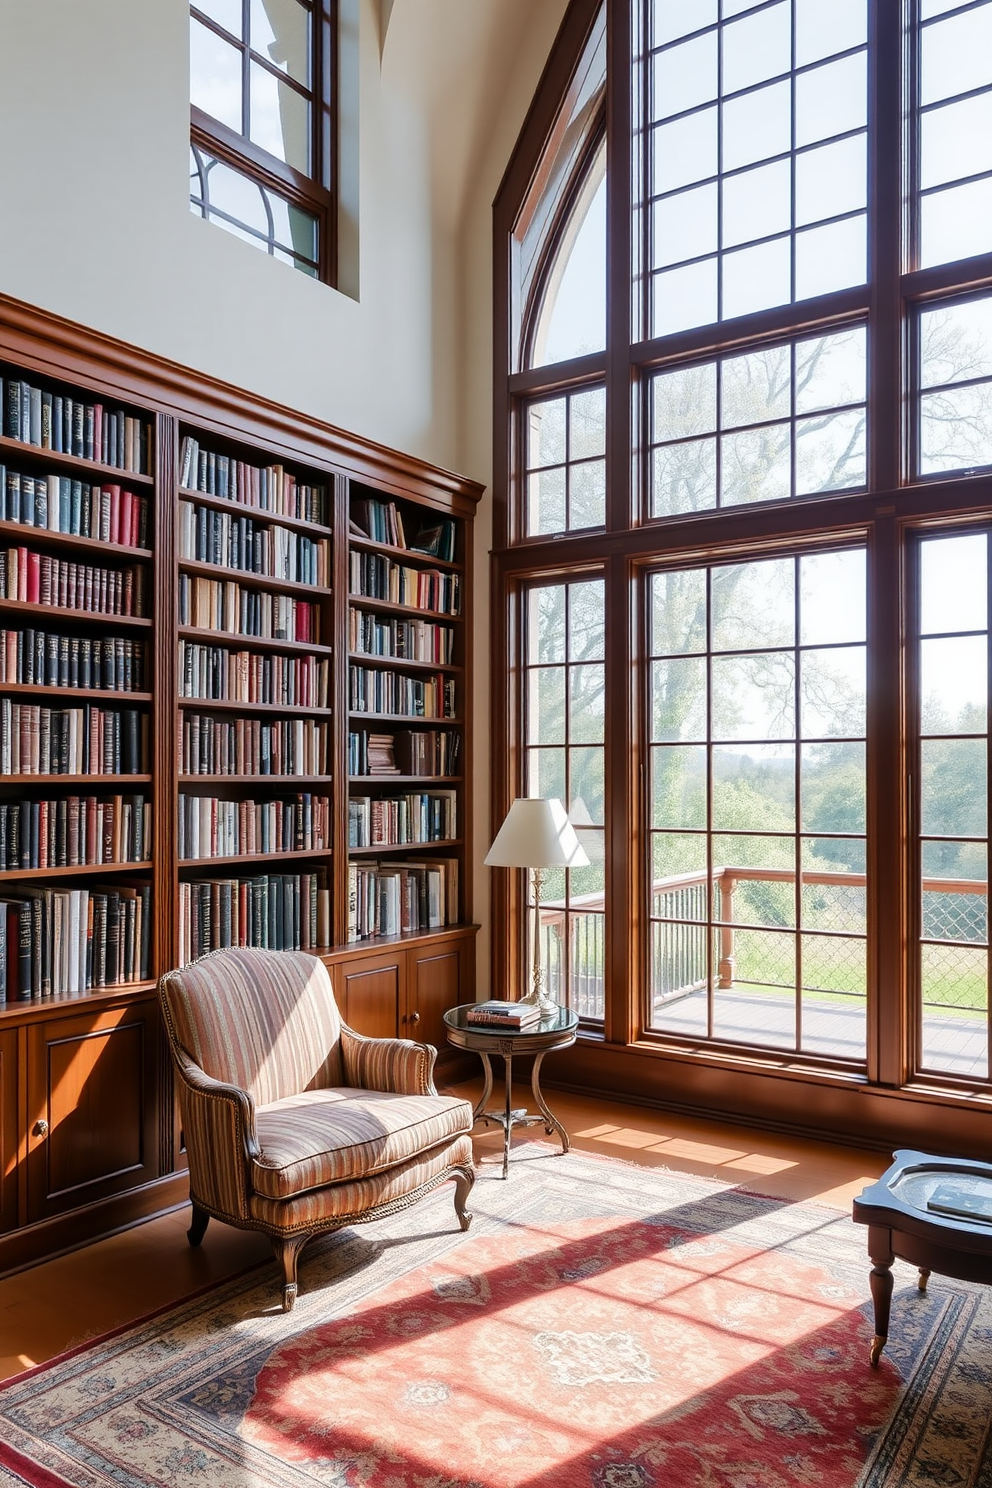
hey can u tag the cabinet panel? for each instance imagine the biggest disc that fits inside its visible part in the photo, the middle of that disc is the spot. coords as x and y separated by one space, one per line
8 1128
369 993
435 984
92 1127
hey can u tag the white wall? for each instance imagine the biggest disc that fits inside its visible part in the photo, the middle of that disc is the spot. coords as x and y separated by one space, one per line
95 223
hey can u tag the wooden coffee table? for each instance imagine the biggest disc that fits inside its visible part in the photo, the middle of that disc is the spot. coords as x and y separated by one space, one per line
554 1031
901 1223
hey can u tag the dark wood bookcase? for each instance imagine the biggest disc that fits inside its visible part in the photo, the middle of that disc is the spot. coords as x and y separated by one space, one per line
89 1135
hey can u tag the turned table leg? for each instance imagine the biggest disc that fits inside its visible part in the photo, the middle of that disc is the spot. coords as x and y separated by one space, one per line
882 1256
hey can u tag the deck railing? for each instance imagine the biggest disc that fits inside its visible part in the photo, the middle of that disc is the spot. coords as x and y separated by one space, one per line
679 915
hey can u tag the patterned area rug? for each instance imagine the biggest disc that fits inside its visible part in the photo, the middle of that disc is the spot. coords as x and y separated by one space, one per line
600 1326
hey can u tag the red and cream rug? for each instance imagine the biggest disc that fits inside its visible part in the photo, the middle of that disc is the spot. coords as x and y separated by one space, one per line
600 1326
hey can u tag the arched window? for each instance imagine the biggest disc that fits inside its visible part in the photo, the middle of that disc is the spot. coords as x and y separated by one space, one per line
755 478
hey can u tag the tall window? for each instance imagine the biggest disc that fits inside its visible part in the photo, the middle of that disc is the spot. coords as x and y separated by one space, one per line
783 503
261 138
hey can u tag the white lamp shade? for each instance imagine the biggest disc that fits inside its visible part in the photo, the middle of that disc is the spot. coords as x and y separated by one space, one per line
536 834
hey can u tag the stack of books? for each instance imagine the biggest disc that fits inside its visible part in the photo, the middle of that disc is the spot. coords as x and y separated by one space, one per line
504 1014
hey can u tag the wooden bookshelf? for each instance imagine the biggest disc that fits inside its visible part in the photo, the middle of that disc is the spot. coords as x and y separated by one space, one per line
123 1157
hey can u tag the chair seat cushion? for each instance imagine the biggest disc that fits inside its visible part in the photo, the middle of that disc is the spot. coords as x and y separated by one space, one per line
333 1136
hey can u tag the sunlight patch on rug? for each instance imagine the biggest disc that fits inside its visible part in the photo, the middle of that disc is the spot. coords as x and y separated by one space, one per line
601 1326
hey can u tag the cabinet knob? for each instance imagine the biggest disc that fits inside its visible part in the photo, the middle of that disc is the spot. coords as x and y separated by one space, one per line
414 1017
40 1128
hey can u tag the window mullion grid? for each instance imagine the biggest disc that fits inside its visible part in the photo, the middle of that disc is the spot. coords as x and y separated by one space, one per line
712 961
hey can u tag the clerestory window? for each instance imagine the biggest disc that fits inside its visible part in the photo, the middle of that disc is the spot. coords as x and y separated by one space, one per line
262 114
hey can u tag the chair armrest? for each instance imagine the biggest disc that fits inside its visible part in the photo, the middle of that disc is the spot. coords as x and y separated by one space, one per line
397 1066
221 1141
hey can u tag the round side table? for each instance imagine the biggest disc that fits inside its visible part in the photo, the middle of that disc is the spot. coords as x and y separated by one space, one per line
556 1030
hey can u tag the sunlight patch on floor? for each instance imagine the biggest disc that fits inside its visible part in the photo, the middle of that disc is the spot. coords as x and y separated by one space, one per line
688 1151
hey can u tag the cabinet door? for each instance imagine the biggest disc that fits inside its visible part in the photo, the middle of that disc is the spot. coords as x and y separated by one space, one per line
369 992
436 982
92 1106
8 1129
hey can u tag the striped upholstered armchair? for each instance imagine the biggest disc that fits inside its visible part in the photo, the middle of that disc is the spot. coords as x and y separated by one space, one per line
294 1124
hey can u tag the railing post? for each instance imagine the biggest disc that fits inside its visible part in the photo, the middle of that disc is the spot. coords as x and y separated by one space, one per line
725 966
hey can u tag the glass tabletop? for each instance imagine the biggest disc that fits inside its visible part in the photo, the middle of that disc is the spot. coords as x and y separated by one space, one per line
562 1020
954 1193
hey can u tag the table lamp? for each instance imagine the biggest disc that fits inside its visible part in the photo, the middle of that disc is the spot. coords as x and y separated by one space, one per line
537 834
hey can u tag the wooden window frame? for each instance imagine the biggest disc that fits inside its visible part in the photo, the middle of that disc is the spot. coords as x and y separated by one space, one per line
896 507
314 193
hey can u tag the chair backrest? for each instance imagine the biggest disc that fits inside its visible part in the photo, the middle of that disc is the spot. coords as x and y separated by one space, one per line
265 1021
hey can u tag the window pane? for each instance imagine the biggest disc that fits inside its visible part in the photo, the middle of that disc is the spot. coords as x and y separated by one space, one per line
831 100
832 598
280 119
831 180
214 76
546 433
684 402
833 693
226 13
757 126
757 387
674 18
954 685
956 54
685 297
685 150
831 370
753 605
754 696
833 788
573 319
757 48
956 141
685 75
685 225
678 700
678 612
954 583
830 258
953 787
822 30
757 203
830 452
587 428
231 192
565 489
755 465
280 31
956 223
956 429
756 278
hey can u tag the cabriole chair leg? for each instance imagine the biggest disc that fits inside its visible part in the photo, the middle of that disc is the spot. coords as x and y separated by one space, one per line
198 1227
464 1179
287 1252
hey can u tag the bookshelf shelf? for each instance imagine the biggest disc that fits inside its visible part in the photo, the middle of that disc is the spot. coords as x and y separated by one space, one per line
78 870
413 848
401 663
97 782
56 614
211 705
255 780
17 451
405 779
390 607
23 536
251 580
407 718
269 519
246 860
403 555
83 694
232 641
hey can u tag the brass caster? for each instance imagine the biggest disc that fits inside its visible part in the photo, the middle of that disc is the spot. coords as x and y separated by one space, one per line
924 1278
464 1220
288 1296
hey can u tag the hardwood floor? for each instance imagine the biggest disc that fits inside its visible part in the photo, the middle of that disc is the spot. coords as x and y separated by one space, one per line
61 1303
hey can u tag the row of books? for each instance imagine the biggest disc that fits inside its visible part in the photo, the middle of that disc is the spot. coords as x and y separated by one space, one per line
214 604
220 675
207 536
75 831
266 488
383 521
60 942
37 578
373 576
407 640
87 740
275 912
58 503
374 691
252 746
401 898
210 828
406 752
44 658
417 817
69 426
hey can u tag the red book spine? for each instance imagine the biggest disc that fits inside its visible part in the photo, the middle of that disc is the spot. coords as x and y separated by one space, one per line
34 578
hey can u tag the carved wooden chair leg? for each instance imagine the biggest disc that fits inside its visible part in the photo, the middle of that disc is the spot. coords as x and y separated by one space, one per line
464 1179
198 1226
287 1249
